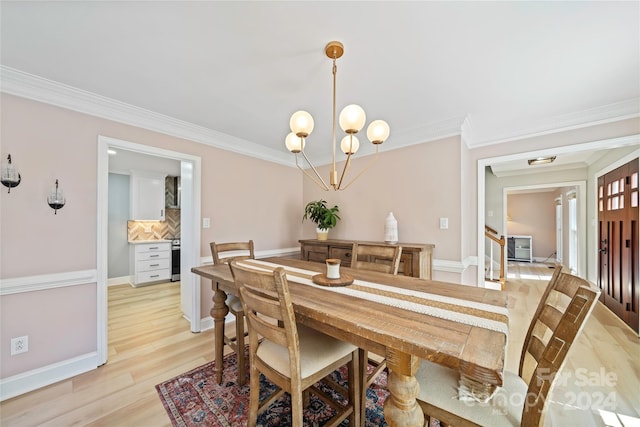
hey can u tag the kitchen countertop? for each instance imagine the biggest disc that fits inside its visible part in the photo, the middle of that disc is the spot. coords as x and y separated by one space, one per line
138 242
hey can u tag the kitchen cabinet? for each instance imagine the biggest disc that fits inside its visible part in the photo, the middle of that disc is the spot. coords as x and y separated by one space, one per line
151 262
147 197
520 248
416 259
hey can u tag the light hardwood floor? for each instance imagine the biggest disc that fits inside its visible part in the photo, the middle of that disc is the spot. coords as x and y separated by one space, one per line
150 342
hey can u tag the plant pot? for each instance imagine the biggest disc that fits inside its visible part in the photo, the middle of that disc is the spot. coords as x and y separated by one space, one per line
322 233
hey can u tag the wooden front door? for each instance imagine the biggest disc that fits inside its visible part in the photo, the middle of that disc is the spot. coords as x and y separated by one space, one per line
618 236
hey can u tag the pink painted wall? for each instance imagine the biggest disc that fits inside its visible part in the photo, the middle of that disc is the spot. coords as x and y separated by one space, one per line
48 142
534 214
419 184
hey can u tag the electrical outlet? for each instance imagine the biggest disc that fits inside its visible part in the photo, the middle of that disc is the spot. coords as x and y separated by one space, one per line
19 345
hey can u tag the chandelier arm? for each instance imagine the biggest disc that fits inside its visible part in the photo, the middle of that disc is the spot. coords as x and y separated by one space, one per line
347 163
317 179
371 162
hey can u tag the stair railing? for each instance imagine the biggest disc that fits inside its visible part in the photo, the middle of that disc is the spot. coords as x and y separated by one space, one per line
492 234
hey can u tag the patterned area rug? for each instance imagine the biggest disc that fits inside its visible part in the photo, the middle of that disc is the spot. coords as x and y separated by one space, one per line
195 399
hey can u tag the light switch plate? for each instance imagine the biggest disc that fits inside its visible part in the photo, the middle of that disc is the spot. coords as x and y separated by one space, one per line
206 222
444 223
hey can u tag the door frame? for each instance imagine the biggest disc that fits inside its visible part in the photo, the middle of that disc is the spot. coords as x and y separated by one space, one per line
581 190
191 172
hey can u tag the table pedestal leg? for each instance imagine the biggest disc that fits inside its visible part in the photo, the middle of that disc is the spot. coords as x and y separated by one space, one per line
401 408
218 312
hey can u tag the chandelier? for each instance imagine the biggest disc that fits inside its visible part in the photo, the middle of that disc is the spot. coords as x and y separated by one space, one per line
352 119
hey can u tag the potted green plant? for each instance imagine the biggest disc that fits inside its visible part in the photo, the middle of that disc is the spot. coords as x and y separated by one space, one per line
324 217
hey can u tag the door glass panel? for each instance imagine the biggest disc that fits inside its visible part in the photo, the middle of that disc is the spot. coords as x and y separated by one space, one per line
600 191
621 185
634 199
600 205
614 187
634 180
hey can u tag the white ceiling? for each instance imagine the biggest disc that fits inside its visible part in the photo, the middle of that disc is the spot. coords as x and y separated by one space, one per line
496 70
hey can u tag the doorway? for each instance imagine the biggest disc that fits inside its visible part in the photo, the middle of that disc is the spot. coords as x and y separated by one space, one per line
190 172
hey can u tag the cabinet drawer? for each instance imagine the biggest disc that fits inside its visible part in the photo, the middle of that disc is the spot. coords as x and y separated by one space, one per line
152 276
153 264
145 256
153 247
316 253
343 254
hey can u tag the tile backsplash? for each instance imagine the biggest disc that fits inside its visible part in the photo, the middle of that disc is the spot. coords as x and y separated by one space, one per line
159 230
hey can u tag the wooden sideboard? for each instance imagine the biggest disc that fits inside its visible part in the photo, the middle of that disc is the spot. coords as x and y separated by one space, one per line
416 259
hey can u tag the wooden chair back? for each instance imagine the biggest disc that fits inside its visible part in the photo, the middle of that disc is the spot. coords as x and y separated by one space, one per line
267 305
380 258
541 306
223 252
561 316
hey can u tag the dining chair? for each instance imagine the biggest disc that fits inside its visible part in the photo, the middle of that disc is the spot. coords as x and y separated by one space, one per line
380 258
293 357
560 316
383 259
222 253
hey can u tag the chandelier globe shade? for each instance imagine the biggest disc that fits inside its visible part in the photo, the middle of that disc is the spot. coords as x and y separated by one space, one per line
294 143
378 131
301 123
349 144
352 120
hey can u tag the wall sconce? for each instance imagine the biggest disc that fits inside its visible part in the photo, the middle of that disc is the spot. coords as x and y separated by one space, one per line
9 175
56 198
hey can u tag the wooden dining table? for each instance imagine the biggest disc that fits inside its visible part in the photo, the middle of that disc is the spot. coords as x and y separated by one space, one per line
406 319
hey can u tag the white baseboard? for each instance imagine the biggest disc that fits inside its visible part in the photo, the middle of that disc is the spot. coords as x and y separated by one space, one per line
46 375
124 280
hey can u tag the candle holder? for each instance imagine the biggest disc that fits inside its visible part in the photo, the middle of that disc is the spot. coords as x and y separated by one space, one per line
56 198
10 177
333 268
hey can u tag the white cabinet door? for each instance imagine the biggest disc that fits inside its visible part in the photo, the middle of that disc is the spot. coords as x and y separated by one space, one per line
147 197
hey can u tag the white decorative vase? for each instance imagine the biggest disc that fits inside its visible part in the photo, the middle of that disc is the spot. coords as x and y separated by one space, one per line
322 233
391 229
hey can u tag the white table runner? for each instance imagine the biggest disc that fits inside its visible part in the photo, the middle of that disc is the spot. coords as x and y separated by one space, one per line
470 313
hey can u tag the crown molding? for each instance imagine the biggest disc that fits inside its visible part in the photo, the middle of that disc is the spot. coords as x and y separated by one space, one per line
25 85
521 129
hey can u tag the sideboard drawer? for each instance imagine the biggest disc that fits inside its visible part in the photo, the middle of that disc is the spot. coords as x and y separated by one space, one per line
343 254
315 253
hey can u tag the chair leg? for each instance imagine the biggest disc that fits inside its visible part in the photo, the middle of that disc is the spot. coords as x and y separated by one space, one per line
242 375
355 372
254 396
363 363
297 407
